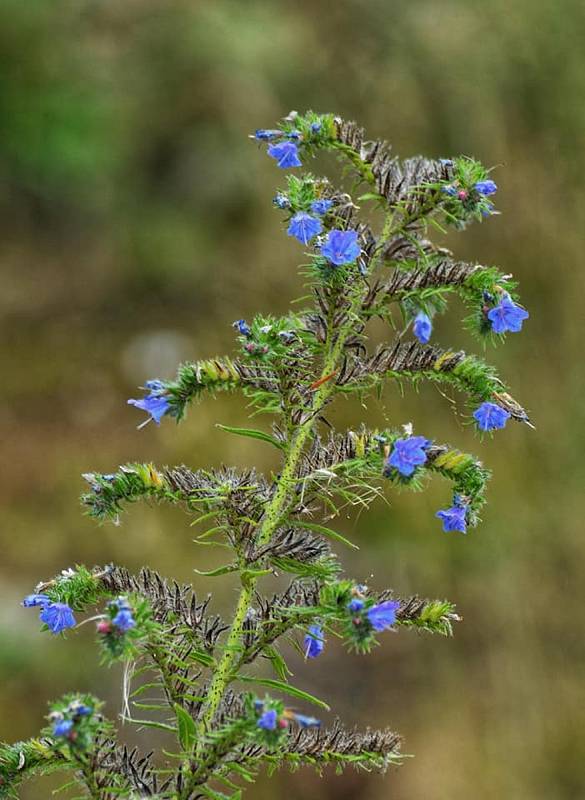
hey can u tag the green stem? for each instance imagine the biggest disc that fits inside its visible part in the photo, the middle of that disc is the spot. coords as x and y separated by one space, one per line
224 672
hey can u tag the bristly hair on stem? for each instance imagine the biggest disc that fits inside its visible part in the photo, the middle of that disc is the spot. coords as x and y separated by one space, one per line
192 676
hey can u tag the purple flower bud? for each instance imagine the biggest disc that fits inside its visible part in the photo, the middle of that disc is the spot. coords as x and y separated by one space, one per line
423 327
268 720
321 206
266 135
32 600
242 327
486 187
62 728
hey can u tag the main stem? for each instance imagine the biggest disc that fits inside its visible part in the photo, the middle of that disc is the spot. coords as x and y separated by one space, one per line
273 513
269 524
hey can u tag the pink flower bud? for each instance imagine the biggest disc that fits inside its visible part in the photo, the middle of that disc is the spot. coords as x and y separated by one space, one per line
104 626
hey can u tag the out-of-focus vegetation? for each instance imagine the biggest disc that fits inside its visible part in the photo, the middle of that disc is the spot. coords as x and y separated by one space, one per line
136 224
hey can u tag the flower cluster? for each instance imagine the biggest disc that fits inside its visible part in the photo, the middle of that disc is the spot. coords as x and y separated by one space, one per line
266 338
273 719
74 723
56 616
466 196
115 627
366 618
296 131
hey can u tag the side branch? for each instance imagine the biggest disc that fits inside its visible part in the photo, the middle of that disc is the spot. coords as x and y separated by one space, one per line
414 361
207 490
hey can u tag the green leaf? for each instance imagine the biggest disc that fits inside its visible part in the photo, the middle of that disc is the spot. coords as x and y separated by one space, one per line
312 526
285 688
213 573
187 729
253 434
248 574
371 196
278 663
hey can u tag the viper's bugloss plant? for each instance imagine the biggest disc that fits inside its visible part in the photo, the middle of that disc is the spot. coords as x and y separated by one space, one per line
190 674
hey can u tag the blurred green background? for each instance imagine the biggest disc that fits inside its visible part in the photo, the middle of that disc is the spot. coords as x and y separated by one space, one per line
136 224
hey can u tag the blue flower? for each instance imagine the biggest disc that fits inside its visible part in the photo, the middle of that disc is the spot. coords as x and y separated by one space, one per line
281 201
450 190
293 135
286 154
304 227
124 620
62 728
79 710
491 417
156 403
32 600
507 316
314 642
355 605
423 327
341 247
454 518
58 617
307 722
315 127
486 187
268 720
155 386
383 615
321 206
407 454
242 327
266 135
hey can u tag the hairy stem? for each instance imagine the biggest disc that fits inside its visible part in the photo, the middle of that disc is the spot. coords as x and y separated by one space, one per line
224 672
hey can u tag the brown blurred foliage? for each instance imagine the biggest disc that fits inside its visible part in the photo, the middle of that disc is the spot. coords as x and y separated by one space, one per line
136 224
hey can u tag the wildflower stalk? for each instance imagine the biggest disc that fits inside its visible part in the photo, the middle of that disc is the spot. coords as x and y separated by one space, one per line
291 368
274 511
